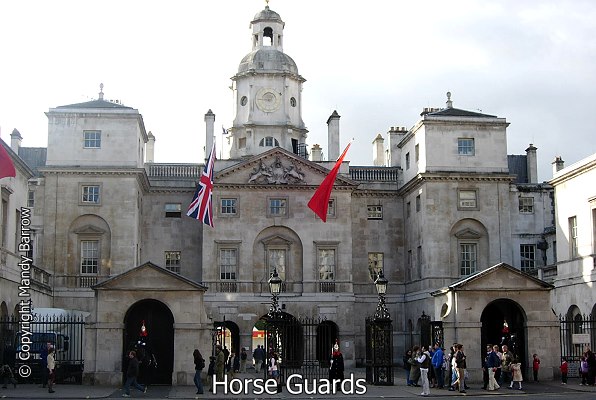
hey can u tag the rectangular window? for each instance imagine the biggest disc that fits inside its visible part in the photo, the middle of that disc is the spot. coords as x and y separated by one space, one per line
277 260
4 221
374 211
228 263
331 208
173 261
242 143
407 161
326 264
278 206
90 194
375 264
409 266
418 203
467 199
31 199
465 147
419 261
573 237
417 152
92 139
526 205
89 256
173 210
527 254
228 206
408 209
467 258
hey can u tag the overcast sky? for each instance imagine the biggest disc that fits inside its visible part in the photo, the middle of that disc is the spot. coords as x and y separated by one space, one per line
377 63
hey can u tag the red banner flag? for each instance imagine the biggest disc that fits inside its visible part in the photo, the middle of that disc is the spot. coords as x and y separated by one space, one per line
320 200
6 164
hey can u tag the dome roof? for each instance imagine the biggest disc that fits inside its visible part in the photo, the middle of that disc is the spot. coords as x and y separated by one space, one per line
267 60
268 15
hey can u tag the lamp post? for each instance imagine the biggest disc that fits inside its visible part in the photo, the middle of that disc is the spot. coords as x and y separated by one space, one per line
273 335
275 288
381 284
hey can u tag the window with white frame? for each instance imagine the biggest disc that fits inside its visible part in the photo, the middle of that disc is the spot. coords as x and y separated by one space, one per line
465 147
276 258
173 261
228 264
89 256
467 258
467 199
526 205
92 139
331 209
228 206
375 265
573 247
31 199
278 206
173 210
268 141
326 264
527 254
374 211
90 194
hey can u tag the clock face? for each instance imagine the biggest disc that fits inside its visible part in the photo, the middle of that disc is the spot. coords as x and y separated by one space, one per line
268 100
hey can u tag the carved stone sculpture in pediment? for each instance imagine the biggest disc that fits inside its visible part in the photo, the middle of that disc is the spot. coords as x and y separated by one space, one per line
276 173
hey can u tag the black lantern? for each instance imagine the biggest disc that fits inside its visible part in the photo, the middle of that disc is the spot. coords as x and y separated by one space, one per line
275 283
381 283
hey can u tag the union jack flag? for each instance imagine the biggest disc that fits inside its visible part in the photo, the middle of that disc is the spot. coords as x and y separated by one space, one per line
201 206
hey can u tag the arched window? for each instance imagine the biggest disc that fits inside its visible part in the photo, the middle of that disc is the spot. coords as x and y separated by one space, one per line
269 141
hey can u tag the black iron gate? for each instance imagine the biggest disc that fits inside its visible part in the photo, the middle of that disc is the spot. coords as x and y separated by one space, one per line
303 345
379 351
576 332
22 343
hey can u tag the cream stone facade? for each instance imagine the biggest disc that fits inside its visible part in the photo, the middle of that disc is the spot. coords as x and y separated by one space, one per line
461 229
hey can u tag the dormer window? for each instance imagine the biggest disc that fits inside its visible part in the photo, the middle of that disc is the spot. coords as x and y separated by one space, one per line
269 141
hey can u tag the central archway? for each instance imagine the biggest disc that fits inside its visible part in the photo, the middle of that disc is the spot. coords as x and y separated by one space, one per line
494 316
159 324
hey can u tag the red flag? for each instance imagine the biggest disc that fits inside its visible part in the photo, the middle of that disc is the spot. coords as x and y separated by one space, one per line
320 200
6 164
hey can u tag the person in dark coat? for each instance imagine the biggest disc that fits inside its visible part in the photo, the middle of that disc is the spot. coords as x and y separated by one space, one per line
199 365
336 370
131 375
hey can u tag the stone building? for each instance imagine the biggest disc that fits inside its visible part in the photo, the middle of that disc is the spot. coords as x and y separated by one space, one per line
459 227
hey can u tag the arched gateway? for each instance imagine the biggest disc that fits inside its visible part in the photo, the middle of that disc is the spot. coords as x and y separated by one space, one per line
504 323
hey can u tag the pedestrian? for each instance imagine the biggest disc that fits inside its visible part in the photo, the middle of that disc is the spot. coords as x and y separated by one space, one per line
273 368
235 363
51 370
516 373
407 366
564 369
460 363
336 368
220 364
437 363
44 364
507 359
131 374
425 362
485 379
492 362
591 360
243 358
258 356
199 365
211 372
6 375
535 366
415 369
583 370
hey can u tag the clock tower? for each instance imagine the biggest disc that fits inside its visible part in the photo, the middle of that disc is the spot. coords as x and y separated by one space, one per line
267 94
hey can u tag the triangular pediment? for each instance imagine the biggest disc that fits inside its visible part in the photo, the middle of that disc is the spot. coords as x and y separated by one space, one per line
468 234
276 240
89 230
501 277
149 277
277 167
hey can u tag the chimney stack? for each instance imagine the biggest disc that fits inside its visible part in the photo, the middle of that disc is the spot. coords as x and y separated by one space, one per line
558 164
532 164
150 148
379 151
209 131
15 140
316 153
333 136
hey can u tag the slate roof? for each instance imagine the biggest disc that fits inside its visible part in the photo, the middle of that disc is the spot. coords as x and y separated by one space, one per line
456 112
34 157
98 103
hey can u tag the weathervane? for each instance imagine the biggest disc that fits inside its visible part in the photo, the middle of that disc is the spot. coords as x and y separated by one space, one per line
101 91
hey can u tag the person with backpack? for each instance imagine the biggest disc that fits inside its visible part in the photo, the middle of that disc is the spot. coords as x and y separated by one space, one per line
199 365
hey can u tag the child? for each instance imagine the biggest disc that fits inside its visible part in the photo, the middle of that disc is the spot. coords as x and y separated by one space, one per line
564 368
517 374
535 366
